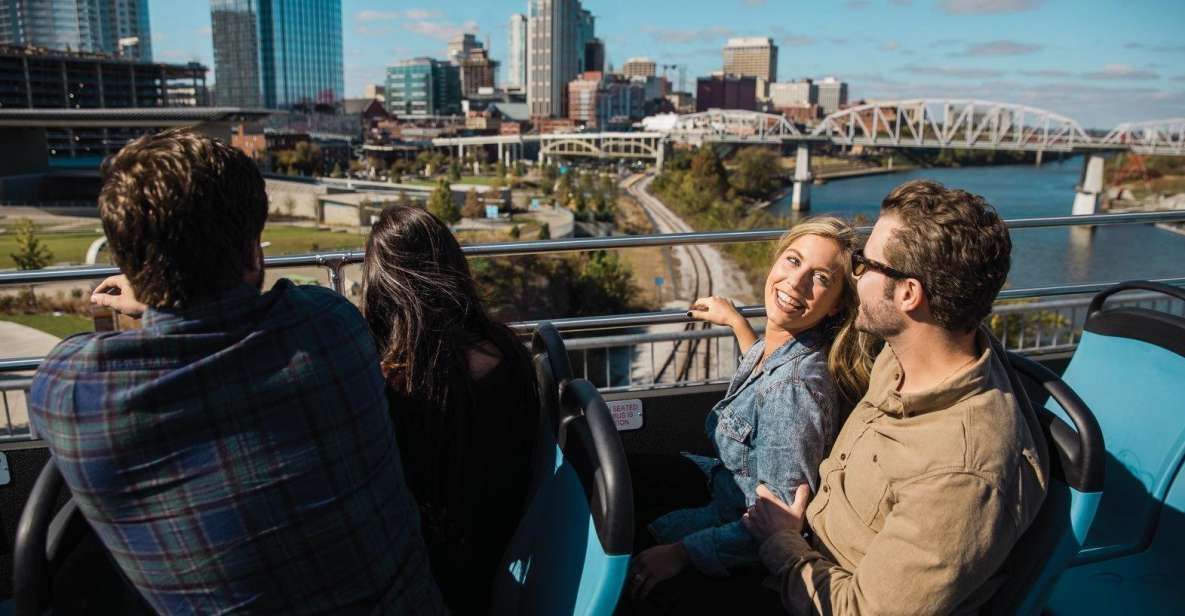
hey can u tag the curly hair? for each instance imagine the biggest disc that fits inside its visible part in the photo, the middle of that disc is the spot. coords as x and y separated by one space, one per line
181 211
955 243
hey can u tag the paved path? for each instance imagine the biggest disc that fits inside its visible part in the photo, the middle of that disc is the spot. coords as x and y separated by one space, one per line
19 341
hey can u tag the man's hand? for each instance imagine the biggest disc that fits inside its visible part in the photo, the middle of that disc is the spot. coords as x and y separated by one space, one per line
116 293
770 515
656 564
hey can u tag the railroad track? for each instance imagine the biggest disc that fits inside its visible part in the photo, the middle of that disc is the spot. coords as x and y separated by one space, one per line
701 283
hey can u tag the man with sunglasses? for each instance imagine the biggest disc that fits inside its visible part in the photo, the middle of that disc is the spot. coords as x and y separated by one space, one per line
939 469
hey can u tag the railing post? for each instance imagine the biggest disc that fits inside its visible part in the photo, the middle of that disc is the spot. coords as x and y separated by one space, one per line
801 201
334 264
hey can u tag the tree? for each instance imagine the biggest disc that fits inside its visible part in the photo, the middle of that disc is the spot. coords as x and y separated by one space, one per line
520 169
708 173
515 232
30 253
473 207
500 169
454 171
563 190
442 205
757 172
544 231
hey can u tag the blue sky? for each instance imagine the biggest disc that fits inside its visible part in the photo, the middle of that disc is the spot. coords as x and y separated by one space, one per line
1096 61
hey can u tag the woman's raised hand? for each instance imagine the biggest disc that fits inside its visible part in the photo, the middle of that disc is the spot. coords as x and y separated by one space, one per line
716 310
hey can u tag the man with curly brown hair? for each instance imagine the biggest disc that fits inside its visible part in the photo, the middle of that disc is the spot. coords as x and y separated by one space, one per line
235 453
939 469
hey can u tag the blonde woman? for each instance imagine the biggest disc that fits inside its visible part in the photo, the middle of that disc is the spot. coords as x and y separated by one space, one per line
779 417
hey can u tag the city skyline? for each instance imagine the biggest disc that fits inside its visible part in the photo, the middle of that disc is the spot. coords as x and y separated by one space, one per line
1097 63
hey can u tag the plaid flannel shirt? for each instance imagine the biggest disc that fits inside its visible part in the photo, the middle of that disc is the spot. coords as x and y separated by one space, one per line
238 456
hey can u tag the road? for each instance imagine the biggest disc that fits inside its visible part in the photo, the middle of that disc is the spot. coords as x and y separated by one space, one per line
701 270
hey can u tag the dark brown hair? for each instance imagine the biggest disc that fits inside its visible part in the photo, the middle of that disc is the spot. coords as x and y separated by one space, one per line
423 308
181 211
955 243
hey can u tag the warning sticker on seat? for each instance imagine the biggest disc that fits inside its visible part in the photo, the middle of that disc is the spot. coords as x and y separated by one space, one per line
627 414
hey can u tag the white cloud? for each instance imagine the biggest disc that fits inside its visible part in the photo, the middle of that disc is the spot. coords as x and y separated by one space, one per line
1047 72
1121 72
999 48
684 37
954 71
889 46
973 7
440 30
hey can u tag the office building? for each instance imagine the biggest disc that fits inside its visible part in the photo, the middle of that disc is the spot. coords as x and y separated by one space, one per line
478 71
460 45
639 67
594 56
556 33
516 74
39 78
833 94
118 28
606 102
726 92
277 53
423 87
793 93
752 57
374 91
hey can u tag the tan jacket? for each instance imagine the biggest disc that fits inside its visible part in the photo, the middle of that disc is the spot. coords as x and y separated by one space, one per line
922 498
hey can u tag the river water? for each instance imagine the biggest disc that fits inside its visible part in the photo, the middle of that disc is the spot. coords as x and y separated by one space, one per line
1040 257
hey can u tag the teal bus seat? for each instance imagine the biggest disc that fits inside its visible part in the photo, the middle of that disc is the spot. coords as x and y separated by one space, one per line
1076 470
1130 368
571 550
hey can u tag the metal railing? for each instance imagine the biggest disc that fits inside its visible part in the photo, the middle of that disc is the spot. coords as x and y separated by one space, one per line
335 261
629 362
602 351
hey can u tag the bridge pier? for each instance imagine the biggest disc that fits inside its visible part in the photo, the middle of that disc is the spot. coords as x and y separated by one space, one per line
1040 155
801 200
1086 201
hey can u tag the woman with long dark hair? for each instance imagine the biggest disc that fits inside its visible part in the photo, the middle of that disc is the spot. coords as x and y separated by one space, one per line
461 392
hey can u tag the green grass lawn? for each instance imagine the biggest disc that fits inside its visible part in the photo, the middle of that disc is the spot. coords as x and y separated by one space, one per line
72 247
296 240
482 180
66 247
60 326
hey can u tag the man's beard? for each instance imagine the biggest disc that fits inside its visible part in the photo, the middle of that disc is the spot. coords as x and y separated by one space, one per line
879 319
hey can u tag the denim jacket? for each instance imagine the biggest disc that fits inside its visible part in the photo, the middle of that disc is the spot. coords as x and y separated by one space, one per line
773 427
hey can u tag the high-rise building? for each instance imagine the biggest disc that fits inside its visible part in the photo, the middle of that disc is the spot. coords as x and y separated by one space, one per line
277 53
586 30
556 32
477 70
639 67
726 92
793 93
594 56
752 57
423 87
460 45
833 94
118 28
516 75
605 102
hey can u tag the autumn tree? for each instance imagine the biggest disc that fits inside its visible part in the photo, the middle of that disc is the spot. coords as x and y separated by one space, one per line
473 207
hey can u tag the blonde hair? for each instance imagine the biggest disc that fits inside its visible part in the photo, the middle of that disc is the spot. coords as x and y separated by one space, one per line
851 352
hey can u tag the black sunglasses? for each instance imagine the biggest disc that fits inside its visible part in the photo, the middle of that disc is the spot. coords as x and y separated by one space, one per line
861 264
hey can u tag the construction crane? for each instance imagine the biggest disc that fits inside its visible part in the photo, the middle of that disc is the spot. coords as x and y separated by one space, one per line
682 74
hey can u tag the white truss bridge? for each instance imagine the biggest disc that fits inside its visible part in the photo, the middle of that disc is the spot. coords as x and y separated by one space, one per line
915 123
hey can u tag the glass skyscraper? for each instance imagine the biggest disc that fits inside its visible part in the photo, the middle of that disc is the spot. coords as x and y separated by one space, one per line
423 87
116 27
277 53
